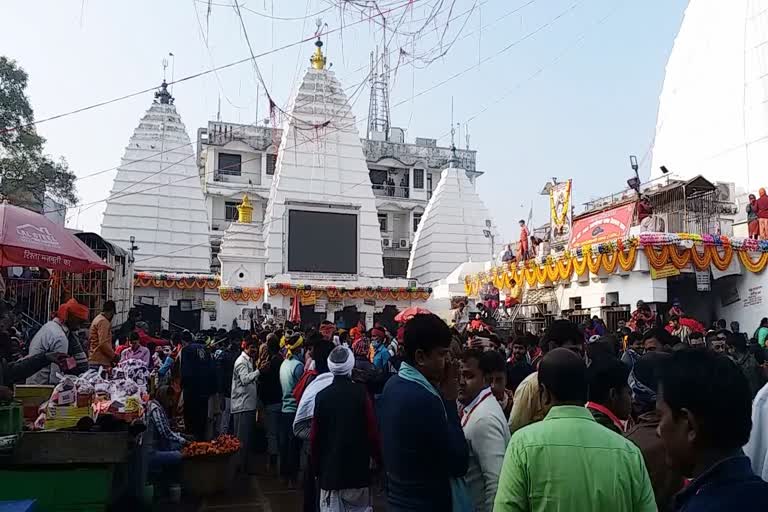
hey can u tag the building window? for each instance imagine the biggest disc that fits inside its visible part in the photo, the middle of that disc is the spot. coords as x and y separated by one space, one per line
416 221
395 267
383 222
229 164
418 178
271 164
230 211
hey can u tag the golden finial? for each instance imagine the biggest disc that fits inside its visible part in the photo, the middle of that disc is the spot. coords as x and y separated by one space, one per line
245 211
318 59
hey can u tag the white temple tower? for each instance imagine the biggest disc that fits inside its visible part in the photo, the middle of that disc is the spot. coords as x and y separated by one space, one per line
713 109
321 216
451 231
157 197
242 250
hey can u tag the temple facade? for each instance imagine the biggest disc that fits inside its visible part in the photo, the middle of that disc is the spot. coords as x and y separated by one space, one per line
156 210
278 221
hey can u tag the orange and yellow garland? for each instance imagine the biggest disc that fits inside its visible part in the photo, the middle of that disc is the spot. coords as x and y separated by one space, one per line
241 294
333 293
181 281
509 278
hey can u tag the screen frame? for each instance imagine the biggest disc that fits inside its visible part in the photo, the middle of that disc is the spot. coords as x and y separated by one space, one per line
335 209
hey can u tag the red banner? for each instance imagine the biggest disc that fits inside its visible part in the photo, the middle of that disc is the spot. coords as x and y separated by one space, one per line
602 227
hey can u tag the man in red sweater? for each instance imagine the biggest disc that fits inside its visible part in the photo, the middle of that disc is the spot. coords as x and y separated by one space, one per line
762 214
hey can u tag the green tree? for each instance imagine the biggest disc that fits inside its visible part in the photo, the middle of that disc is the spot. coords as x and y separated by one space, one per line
26 173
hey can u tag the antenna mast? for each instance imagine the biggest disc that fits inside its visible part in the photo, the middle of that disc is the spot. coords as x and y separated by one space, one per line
378 107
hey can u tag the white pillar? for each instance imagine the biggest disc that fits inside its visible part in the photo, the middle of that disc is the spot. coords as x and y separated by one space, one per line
263 173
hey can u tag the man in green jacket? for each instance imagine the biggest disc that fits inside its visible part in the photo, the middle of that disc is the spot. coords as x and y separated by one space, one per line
568 461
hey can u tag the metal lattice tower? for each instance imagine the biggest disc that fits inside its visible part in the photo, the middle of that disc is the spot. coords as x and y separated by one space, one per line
378 108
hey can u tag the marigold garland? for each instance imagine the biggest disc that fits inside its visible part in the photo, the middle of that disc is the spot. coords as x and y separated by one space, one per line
180 281
680 259
701 260
594 262
657 258
724 261
661 249
609 262
399 294
627 259
241 294
754 266
580 266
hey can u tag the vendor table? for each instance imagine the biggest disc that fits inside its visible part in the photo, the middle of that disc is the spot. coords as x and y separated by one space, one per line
64 471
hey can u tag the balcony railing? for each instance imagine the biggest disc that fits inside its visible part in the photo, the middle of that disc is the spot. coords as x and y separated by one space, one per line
391 191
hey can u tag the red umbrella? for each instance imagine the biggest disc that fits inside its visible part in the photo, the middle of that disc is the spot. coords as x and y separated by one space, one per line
28 239
295 316
411 312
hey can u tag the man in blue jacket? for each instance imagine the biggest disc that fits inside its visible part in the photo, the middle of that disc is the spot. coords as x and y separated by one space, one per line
425 452
705 406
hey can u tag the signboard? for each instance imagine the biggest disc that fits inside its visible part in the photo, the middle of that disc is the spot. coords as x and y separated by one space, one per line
209 305
321 306
560 212
754 297
703 281
668 270
601 227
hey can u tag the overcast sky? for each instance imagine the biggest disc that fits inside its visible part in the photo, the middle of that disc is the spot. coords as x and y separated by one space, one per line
565 88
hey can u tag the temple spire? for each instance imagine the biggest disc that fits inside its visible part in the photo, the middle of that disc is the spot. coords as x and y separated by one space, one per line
318 59
162 96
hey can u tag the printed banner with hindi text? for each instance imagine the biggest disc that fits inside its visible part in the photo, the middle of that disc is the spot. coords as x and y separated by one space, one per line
602 227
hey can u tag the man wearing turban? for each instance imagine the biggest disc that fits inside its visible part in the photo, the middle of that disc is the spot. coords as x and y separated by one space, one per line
58 335
340 450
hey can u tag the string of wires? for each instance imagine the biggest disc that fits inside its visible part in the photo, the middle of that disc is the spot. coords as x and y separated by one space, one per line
21 126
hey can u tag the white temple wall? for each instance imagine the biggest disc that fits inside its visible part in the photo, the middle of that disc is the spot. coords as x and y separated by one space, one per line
750 300
629 288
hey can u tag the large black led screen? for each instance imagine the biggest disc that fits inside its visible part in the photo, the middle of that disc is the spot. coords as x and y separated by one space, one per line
322 242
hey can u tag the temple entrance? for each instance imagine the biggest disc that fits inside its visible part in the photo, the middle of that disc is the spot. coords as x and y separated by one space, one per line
150 315
310 317
183 316
387 318
348 317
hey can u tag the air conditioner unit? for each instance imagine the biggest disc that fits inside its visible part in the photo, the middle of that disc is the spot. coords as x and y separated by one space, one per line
404 243
386 242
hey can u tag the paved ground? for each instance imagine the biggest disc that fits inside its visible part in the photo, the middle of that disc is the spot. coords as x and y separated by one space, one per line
256 493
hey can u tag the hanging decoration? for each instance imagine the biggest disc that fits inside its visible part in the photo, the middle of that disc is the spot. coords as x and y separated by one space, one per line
239 294
338 293
560 212
662 250
171 280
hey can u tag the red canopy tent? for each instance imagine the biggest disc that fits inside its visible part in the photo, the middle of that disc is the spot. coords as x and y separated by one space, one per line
28 239
411 312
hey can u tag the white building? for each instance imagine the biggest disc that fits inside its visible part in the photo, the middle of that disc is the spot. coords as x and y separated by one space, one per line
235 159
713 109
321 244
156 209
452 231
